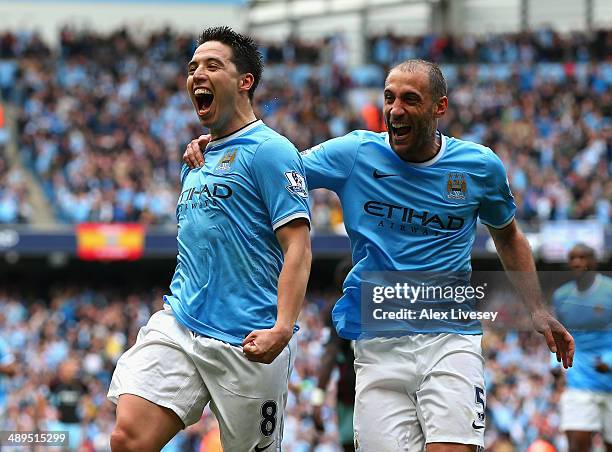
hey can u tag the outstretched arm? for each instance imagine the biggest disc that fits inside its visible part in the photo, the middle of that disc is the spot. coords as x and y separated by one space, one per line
328 362
328 165
515 254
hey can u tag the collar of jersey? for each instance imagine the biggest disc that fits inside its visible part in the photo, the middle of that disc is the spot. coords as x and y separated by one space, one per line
591 289
231 136
426 163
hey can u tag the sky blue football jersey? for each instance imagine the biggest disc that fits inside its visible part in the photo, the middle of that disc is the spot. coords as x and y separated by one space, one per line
588 316
229 260
404 216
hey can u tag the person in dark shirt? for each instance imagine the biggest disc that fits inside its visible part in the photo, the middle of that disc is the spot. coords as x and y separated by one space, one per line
66 393
338 353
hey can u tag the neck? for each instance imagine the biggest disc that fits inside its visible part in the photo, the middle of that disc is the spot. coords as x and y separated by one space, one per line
586 280
426 151
240 118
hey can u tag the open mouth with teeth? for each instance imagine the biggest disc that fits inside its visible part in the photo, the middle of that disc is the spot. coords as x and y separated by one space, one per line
204 99
400 131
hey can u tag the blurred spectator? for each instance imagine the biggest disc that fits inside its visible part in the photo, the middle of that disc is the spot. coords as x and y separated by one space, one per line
67 394
7 369
211 442
338 354
541 445
14 205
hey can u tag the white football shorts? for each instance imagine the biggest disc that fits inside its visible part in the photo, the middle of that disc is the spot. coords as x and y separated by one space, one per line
173 367
587 411
419 389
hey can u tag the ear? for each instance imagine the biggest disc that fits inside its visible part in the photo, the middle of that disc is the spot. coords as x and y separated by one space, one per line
246 82
441 107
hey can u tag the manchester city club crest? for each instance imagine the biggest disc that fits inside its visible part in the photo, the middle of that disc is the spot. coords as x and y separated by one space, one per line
227 160
456 186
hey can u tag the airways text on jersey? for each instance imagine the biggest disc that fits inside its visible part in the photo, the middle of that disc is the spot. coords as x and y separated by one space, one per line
404 218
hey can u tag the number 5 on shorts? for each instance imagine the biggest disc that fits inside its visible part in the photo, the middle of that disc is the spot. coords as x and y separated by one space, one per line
268 415
480 400
480 397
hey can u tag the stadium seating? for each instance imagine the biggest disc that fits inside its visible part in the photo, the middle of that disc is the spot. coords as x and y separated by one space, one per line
103 119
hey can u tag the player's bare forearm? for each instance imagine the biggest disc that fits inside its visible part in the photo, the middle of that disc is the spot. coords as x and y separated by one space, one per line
328 362
515 254
317 398
265 345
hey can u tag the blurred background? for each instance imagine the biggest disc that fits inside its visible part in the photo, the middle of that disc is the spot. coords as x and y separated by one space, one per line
94 120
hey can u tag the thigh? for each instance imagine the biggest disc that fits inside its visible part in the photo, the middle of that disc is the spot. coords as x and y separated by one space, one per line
579 441
580 411
386 418
158 369
247 398
452 447
451 399
147 424
606 410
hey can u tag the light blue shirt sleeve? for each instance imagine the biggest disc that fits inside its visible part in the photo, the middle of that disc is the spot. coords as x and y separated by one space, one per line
328 165
554 364
497 208
607 359
184 171
279 175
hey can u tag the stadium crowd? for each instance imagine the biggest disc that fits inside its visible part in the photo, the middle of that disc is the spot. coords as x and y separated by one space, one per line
70 339
14 204
103 119
544 45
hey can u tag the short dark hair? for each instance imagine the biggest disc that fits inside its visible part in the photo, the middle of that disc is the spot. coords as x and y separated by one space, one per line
245 54
586 249
437 82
